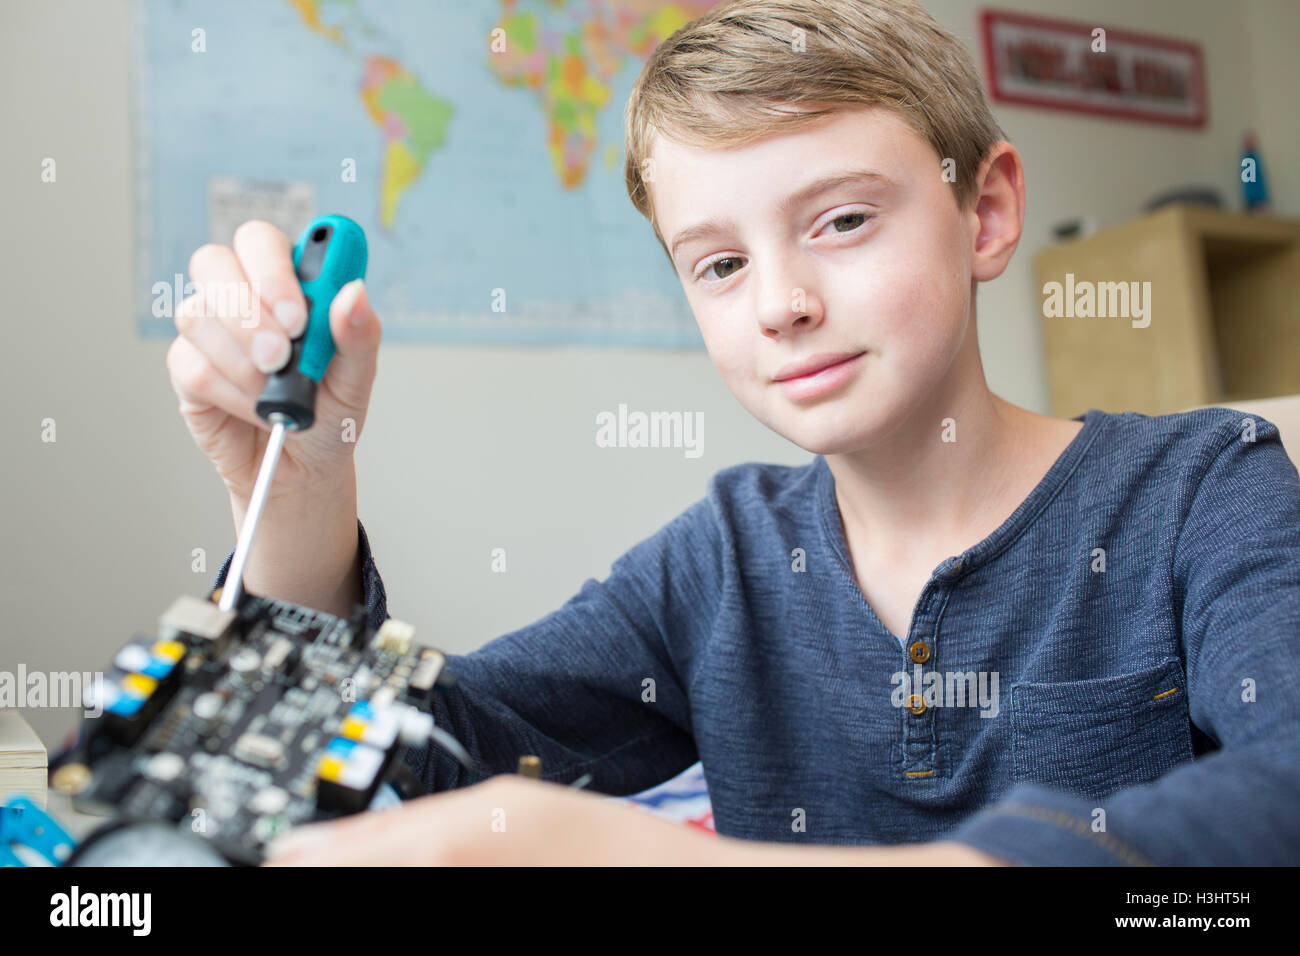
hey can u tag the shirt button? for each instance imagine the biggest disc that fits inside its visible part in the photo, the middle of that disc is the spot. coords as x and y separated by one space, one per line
920 652
916 705
959 565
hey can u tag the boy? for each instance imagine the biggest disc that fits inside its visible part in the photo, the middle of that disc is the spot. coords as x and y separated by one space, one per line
965 632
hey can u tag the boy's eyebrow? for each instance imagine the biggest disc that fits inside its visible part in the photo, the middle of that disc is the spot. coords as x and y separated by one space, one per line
802 195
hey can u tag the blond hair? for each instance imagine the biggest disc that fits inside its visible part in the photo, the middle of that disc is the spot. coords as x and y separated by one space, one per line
732 75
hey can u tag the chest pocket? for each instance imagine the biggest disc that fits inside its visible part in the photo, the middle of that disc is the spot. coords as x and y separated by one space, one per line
1093 737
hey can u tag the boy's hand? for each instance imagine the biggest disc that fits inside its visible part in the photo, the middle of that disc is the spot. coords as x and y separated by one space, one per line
510 820
507 820
233 331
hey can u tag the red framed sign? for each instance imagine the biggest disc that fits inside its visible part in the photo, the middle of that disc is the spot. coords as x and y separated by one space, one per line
1091 68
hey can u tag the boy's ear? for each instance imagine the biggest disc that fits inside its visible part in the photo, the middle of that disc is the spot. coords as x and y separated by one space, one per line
999 214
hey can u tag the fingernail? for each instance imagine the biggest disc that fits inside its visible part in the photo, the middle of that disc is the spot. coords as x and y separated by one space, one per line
292 316
269 351
348 297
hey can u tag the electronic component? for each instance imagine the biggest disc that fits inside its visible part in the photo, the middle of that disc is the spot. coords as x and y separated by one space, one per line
374 726
196 618
259 750
428 671
348 775
237 726
394 635
143 678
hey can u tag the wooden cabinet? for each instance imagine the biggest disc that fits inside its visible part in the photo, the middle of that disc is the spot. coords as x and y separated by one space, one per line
1208 305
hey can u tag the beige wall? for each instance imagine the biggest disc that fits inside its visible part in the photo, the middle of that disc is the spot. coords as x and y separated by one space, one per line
466 449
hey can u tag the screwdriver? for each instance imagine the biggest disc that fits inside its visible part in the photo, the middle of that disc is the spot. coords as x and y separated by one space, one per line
329 254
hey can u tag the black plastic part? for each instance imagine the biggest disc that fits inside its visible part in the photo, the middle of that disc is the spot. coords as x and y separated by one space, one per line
127 729
334 797
406 784
291 669
313 254
114 777
290 396
289 393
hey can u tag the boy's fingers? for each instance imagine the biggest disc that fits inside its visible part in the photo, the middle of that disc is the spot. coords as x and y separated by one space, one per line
215 319
199 384
266 256
356 331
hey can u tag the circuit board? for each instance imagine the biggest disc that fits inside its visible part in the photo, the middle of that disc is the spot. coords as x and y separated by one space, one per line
238 725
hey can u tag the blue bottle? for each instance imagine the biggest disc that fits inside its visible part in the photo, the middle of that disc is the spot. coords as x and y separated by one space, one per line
1254 188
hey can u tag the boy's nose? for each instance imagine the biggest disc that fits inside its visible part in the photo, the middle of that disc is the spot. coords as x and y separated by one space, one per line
788 303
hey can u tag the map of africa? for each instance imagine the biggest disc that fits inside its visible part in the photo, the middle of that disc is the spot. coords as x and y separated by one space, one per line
478 143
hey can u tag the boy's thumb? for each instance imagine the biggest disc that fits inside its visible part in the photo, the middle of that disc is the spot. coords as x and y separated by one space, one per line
356 333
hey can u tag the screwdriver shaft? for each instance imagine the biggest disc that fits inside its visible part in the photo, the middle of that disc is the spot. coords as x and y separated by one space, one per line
234 584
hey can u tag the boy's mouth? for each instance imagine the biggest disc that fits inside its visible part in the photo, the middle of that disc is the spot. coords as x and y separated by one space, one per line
817 375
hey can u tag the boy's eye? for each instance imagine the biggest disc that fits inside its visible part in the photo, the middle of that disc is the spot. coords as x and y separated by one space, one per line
848 222
727 266
723 268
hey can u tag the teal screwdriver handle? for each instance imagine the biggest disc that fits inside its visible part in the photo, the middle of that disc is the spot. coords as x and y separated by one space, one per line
329 254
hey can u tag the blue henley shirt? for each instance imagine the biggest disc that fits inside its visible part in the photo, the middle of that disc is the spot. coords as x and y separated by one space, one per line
1110 677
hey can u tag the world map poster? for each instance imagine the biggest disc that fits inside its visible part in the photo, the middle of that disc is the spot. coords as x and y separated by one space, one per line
479 144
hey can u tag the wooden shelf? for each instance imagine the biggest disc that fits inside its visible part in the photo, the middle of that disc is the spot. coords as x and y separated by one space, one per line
1224 313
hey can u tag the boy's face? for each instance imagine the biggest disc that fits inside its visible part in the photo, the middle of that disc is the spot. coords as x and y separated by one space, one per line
874 267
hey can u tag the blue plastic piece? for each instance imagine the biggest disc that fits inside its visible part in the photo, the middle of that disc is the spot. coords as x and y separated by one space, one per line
24 824
345 260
